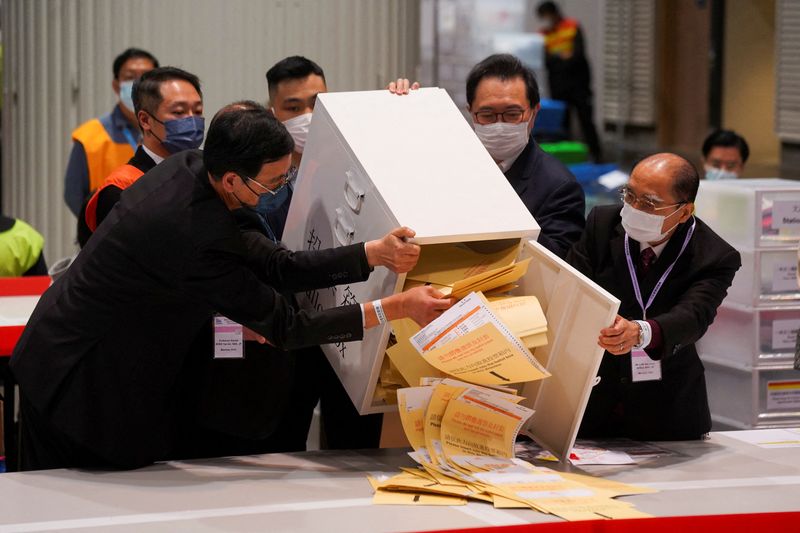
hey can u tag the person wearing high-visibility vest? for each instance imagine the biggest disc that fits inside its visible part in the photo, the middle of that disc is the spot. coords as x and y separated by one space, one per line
20 249
102 144
568 71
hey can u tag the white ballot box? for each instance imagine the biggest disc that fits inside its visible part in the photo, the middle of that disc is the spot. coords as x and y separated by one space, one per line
374 161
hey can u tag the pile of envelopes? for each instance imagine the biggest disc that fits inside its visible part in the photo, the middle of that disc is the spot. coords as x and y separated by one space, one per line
463 437
487 337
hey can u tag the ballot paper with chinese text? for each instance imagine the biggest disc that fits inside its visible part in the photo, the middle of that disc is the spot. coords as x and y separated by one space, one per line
469 342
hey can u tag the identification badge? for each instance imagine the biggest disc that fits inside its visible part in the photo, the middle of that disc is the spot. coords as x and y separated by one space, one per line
643 368
228 338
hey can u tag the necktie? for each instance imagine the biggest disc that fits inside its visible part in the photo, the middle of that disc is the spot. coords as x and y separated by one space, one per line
646 260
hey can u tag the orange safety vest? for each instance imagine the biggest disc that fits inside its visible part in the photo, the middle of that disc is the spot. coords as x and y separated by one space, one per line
103 155
560 41
123 177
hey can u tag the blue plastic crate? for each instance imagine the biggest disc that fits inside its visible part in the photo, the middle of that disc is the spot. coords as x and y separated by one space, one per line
550 119
587 173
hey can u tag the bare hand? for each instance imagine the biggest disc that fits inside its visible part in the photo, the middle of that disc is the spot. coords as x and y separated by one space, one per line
424 304
393 251
402 86
250 335
620 338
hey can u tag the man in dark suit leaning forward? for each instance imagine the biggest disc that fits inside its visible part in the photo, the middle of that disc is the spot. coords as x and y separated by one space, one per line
104 355
671 272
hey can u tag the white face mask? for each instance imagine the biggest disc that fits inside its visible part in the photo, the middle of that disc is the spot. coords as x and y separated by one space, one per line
298 129
714 174
644 227
503 140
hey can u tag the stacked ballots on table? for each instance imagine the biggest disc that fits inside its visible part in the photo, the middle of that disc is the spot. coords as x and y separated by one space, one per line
751 344
487 337
463 438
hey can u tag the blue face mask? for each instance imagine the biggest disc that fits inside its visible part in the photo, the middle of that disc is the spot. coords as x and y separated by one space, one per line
714 174
126 94
183 133
268 203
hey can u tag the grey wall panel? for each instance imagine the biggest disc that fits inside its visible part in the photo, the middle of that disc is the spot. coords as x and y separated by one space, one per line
787 45
58 56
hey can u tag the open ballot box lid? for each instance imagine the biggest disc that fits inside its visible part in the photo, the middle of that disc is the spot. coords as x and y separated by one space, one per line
374 161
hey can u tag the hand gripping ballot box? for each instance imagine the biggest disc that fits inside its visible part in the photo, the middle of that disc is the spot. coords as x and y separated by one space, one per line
374 161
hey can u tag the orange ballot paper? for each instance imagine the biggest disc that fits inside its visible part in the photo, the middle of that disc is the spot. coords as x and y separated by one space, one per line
469 342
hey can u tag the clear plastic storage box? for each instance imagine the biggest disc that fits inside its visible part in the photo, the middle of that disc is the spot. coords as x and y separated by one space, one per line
752 336
752 213
768 276
747 398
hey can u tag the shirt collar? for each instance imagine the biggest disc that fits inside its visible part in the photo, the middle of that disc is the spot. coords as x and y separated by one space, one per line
658 249
154 156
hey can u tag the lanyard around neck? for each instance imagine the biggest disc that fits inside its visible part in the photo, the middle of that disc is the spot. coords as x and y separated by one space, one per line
635 280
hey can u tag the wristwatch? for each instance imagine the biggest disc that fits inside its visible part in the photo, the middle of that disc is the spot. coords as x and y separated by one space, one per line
640 343
645 334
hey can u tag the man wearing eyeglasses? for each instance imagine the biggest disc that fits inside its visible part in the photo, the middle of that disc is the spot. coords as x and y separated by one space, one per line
102 361
503 99
671 273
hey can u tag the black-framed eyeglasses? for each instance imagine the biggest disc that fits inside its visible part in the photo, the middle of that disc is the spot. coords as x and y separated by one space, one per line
285 180
629 197
512 116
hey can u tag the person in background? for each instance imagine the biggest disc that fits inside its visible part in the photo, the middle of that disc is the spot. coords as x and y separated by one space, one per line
293 84
100 145
568 71
169 108
725 153
21 249
503 99
671 273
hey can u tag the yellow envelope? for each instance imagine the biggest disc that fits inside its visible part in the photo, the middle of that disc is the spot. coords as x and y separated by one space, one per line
412 403
444 264
486 357
385 497
534 341
433 418
411 365
607 487
390 376
499 291
482 283
522 314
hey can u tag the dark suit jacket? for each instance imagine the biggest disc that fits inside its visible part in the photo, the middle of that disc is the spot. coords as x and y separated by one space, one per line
103 351
551 194
675 408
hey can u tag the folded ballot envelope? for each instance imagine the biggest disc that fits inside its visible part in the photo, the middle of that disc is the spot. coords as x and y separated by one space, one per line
374 161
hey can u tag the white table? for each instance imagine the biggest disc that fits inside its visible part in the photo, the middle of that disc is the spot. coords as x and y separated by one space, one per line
328 491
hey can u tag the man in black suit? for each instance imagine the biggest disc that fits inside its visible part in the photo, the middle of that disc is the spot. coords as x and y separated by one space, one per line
100 362
670 272
503 99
